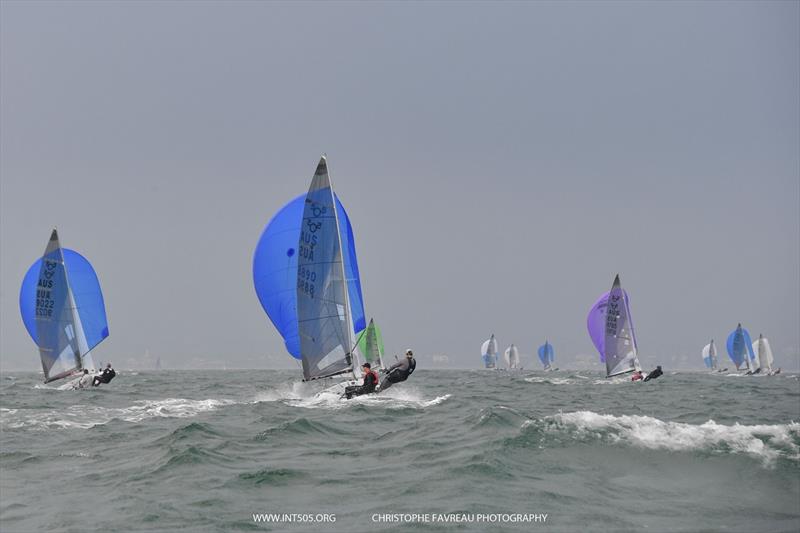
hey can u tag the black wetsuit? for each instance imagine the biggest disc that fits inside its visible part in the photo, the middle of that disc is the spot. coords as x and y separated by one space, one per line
654 374
107 375
398 372
370 382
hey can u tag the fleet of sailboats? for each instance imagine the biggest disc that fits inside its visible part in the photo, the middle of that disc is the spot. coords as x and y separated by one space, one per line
306 276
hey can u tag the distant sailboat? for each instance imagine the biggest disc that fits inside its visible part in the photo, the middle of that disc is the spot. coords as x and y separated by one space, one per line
611 330
370 345
740 349
63 310
511 356
489 352
710 355
546 355
305 273
764 355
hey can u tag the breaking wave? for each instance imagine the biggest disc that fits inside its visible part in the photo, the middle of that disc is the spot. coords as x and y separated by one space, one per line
766 442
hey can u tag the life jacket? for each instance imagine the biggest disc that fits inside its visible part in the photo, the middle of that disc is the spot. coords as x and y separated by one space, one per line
375 379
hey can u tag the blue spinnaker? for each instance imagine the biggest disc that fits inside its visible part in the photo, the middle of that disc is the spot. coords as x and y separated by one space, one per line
740 346
546 354
85 289
275 271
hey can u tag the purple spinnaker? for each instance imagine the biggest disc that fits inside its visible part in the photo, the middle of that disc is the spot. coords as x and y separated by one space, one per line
596 323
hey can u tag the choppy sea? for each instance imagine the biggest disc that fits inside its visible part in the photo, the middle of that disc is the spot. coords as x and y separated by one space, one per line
206 450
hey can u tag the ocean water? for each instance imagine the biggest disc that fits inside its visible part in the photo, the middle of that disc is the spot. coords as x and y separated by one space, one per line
206 450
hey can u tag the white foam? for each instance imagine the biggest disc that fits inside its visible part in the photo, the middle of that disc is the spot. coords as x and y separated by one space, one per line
397 397
87 416
766 442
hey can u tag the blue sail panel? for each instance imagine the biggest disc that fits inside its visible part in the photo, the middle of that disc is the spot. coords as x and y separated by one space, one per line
85 289
546 354
275 271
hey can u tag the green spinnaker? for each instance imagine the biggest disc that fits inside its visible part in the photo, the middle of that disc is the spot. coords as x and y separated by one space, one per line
371 345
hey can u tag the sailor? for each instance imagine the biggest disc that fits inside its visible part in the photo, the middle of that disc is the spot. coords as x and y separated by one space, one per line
85 381
399 371
107 375
370 382
637 376
654 374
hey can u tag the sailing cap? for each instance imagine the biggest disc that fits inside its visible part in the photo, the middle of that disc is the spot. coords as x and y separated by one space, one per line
366 365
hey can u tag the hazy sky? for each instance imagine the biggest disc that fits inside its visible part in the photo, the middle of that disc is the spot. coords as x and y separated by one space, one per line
500 162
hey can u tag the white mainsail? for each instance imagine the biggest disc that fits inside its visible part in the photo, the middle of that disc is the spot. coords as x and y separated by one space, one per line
620 341
62 342
323 307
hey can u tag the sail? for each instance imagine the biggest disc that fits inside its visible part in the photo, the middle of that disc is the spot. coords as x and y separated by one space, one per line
489 352
275 271
511 355
620 341
370 345
546 355
763 353
596 324
740 348
62 307
710 355
323 315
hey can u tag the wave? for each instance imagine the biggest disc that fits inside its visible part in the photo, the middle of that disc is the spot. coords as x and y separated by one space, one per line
86 416
766 442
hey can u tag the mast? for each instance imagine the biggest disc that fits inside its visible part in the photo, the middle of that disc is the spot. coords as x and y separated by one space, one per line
348 319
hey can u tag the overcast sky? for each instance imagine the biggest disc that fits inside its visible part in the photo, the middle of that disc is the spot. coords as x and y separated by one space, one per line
500 162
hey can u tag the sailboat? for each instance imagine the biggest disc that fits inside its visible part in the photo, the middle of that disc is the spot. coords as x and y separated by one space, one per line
511 355
611 330
62 307
740 349
305 273
546 355
764 355
489 352
370 345
710 356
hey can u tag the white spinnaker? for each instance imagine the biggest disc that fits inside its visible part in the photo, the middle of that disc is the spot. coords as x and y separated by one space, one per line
511 356
489 349
710 354
764 353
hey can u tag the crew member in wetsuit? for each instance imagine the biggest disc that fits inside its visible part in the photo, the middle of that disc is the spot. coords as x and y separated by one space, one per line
370 382
85 381
107 375
399 371
637 376
654 374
